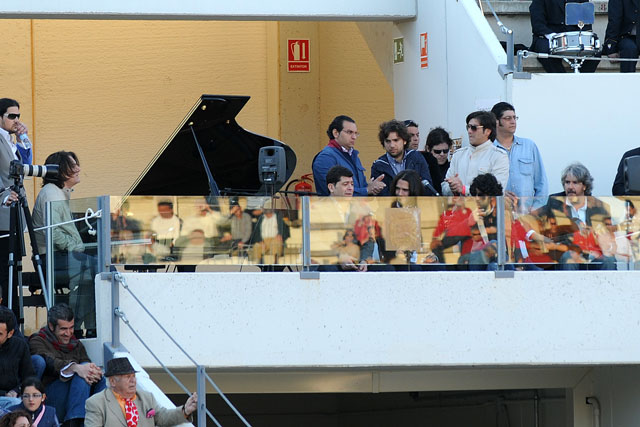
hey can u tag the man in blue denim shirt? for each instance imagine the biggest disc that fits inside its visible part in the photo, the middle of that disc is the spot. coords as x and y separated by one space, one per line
527 177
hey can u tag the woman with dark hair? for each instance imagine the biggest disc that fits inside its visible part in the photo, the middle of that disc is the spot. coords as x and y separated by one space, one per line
15 419
406 184
33 398
436 153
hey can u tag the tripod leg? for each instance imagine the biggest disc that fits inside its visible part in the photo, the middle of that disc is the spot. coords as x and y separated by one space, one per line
37 261
13 244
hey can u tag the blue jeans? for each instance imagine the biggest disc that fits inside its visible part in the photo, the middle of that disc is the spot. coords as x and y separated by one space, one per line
68 397
38 365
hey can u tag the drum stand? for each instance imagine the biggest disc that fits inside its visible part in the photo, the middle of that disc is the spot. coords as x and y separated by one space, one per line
575 64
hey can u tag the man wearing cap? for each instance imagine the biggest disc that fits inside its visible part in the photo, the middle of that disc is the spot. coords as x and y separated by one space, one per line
122 404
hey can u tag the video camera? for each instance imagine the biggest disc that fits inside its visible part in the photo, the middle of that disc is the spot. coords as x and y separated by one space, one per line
17 170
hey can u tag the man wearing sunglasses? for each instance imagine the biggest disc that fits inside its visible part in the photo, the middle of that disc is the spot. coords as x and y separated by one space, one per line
480 157
527 177
9 124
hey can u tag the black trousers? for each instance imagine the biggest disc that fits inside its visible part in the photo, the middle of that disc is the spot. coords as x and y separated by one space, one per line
4 276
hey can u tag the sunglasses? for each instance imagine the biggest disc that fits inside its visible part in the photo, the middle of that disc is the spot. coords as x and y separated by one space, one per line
445 151
474 127
12 116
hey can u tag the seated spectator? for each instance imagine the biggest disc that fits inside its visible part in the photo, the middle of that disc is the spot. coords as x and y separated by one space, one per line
481 156
166 225
621 39
15 419
70 376
269 236
33 396
395 139
406 186
452 228
583 211
240 223
436 154
348 248
206 218
73 268
123 404
15 362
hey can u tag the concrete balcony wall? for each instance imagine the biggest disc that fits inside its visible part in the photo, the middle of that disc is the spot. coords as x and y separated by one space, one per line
349 320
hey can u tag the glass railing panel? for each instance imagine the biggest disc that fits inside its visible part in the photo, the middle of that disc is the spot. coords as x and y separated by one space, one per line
74 261
161 230
391 234
577 233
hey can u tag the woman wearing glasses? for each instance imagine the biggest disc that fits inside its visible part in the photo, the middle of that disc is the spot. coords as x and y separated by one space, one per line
33 398
437 155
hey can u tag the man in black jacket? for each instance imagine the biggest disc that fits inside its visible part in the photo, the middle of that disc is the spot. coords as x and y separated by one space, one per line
621 40
15 361
548 19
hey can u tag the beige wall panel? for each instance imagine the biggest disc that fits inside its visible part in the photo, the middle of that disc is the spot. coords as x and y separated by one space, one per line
352 83
15 74
113 91
300 123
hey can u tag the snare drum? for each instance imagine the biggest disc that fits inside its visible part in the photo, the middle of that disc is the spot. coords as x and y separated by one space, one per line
575 43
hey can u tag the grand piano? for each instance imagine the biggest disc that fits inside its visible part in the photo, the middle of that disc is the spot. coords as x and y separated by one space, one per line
231 153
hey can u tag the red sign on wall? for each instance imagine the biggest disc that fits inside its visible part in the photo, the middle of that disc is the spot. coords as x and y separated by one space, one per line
298 56
424 53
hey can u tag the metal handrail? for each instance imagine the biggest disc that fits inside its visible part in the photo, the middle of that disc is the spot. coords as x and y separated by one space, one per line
509 68
117 277
523 54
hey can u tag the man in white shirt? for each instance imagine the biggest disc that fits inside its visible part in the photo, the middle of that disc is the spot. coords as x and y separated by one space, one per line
166 225
480 157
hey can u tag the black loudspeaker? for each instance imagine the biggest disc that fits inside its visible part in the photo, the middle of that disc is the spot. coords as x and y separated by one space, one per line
632 175
272 166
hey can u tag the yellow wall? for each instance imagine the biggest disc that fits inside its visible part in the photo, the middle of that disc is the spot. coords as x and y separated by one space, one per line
113 91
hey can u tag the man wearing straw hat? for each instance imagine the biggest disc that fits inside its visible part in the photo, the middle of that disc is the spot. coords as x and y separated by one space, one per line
123 405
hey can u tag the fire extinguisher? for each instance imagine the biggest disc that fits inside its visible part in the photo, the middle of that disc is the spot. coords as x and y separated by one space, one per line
302 185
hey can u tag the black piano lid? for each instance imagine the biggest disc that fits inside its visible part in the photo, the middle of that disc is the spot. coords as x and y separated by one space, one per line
231 152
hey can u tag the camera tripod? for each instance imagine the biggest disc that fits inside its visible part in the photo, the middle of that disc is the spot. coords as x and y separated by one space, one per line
19 210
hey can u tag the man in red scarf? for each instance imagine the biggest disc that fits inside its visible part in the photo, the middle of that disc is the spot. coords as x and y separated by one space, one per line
69 377
124 402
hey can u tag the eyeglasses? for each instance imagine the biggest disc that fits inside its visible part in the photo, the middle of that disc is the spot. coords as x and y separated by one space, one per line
31 396
12 116
474 127
510 118
351 133
445 151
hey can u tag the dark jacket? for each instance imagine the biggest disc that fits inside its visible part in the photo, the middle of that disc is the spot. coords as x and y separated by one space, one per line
15 364
623 18
596 209
56 359
618 182
331 156
548 16
414 160
438 172
49 418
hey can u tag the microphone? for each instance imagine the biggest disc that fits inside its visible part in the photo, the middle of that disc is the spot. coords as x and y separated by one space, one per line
430 187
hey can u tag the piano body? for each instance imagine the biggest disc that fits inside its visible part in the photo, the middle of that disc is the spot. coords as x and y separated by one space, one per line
230 151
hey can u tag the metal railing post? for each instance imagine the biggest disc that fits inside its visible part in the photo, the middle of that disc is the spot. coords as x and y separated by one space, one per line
202 396
502 250
306 272
104 234
115 308
510 49
508 68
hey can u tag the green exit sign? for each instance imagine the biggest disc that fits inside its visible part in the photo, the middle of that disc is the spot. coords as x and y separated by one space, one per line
398 50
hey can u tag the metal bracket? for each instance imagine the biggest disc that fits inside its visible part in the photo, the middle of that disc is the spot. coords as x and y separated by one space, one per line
309 275
505 274
523 75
